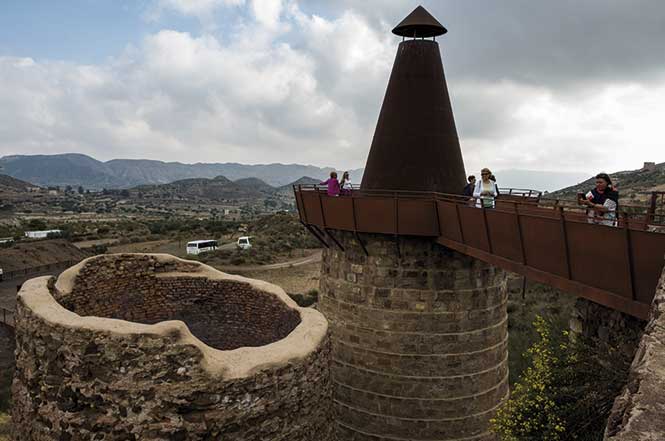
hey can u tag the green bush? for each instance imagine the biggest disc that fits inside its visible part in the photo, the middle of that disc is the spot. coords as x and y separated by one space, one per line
566 392
99 249
306 300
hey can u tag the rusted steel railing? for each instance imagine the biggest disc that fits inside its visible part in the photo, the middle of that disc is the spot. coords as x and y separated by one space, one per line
550 241
656 213
14 274
7 316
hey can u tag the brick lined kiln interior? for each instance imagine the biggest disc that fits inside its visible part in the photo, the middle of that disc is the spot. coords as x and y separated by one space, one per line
100 356
223 313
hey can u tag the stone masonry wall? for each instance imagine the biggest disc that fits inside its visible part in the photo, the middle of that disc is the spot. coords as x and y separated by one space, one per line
7 363
419 340
607 325
224 314
85 378
639 412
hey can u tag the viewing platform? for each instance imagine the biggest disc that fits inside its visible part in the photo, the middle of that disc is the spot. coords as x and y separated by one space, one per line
546 240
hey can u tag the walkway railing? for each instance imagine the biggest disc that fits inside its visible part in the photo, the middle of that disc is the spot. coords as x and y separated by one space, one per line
550 241
6 317
657 207
8 275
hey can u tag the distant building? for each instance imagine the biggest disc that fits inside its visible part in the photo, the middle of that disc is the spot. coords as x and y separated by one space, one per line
649 166
42 234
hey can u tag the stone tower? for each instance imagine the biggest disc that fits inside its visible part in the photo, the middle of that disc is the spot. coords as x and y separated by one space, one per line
419 331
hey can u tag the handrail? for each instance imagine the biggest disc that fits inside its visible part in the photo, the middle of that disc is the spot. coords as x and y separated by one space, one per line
633 213
542 240
13 274
7 316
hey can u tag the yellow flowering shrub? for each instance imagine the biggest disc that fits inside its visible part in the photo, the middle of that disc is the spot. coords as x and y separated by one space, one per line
565 393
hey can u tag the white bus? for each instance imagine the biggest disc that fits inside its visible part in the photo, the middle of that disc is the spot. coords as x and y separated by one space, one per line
201 246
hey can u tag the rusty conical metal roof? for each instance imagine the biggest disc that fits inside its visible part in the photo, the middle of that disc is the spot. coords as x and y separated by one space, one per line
415 145
419 24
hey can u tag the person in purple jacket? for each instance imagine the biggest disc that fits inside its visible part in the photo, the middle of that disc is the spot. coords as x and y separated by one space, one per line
333 184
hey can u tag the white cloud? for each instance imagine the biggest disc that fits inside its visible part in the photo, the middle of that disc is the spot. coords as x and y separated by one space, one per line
610 127
267 12
290 86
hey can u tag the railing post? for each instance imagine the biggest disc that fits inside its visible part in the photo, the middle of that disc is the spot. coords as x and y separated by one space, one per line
353 211
487 231
564 233
459 222
438 218
651 215
302 204
629 256
323 215
396 213
519 231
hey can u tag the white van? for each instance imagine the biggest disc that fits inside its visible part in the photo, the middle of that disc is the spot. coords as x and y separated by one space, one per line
243 243
201 246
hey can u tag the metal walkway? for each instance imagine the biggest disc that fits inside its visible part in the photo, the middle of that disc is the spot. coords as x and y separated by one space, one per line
550 242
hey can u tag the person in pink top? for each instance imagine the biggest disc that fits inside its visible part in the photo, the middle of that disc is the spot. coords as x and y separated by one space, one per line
333 184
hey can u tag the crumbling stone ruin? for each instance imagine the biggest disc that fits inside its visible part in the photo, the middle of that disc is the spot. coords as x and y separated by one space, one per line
151 347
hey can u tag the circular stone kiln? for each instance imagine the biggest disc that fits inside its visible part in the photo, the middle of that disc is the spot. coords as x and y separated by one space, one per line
151 347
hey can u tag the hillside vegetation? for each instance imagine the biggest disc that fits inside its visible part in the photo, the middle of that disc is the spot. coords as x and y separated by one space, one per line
8 183
219 189
633 185
32 254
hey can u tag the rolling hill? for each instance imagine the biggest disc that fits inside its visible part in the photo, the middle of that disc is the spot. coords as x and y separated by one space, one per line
633 185
7 183
76 169
218 189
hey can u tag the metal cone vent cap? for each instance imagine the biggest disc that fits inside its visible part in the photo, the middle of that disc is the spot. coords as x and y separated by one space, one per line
419 24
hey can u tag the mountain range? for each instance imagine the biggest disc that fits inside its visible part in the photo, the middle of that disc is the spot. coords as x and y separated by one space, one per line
77 169
218 189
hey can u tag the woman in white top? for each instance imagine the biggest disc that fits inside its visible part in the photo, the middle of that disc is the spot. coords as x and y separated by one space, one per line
345 184
485 191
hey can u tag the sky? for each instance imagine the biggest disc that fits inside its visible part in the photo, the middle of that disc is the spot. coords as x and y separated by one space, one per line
562 86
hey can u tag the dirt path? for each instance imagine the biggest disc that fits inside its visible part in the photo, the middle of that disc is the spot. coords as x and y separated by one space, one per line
312 258
92 243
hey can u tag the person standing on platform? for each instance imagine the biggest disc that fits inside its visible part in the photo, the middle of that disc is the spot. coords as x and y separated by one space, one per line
602 202
345 184
485 191
333 184
468 190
